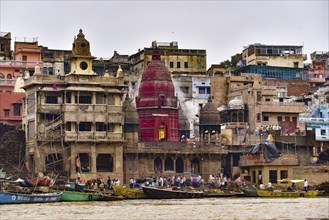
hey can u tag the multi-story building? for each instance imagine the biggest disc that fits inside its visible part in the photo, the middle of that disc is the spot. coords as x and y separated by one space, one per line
74 123
25 57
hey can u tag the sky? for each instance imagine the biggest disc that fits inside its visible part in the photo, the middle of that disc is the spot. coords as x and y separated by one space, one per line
222 28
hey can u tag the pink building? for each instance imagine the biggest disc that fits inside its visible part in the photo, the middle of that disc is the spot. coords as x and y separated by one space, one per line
12 65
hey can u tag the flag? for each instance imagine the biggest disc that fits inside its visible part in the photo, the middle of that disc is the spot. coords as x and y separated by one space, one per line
55 87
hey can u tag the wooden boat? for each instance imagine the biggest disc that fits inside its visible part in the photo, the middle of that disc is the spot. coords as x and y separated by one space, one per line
110 197
129 193
169 193
14 198
219 193
70 196
249 192
280 193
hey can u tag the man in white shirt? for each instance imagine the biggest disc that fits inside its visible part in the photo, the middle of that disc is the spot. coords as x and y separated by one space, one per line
305 185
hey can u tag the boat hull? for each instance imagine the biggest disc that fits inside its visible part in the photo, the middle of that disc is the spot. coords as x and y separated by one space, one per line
128 193
15 198
156 193
268 193
249 192
71 196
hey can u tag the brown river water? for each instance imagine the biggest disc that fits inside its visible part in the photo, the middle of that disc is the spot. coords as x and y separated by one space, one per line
206 208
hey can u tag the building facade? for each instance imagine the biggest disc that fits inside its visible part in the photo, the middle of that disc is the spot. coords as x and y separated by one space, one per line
73 124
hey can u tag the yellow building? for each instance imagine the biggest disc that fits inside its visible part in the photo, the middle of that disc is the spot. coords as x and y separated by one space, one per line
73 123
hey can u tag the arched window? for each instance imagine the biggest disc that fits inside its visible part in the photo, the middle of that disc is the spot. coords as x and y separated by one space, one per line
179 165
9 76
195 166
169 164
158 165
2 76
104 163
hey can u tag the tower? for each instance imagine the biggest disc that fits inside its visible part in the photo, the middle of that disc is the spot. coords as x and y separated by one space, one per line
157 104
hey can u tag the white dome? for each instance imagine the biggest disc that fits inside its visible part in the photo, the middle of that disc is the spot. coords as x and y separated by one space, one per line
236 103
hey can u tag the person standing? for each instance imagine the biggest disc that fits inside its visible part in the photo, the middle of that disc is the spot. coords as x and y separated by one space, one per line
305 185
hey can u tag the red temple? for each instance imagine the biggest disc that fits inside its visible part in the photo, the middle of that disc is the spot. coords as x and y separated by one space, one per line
156 104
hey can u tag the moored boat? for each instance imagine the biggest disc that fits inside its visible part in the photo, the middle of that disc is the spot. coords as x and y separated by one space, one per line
129 193
281 193
69 196
14 198
169 193
249 192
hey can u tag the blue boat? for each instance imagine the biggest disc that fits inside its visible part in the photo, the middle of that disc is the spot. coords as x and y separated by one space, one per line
15 198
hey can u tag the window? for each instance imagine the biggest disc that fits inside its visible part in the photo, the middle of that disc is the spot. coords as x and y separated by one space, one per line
68 97
84 99
85 126
267 100
126 83
258 117
2 47
133 85
24 58
265 118
296 64
279 118
323 132
85 162
185 64
204 90
179 165
273 176
100 126
286 118
51 99
284 175
171 64
184 89
6 111
178 64
294 119
17 109
104 163
169 164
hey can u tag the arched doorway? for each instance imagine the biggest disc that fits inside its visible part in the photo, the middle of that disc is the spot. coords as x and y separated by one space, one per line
195 165
158 165
179 165
9 76
169 164
162 132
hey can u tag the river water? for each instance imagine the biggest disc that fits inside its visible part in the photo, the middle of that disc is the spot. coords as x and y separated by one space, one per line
206 208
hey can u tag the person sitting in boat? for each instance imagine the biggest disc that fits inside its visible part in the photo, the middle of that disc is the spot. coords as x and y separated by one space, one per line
293 186
261 186
269 185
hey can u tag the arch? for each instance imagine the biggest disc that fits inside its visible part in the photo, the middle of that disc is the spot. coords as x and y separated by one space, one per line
104 163
9 76
2 76
169 164
179 165
195 165
158 165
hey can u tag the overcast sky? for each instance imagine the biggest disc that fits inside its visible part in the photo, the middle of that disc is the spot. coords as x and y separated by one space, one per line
220 27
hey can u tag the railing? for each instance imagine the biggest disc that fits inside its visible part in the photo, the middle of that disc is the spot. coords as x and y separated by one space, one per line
7 81
298 104
86 136
259 160
315 120
174 147
19 64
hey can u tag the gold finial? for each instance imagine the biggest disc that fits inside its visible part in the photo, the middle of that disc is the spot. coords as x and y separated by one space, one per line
106 74
119 72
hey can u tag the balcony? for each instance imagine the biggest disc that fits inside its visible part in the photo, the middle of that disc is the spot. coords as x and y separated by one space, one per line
19 64
259 160
174 147
87 136
8 82
282 107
